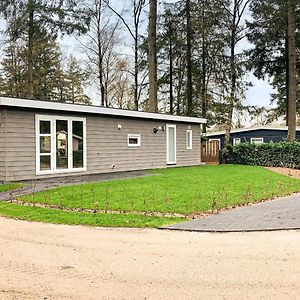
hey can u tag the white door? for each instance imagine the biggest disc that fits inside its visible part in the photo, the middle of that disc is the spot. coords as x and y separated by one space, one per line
171 144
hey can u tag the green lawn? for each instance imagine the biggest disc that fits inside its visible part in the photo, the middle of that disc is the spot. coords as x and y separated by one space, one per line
55 216
177 190
10 186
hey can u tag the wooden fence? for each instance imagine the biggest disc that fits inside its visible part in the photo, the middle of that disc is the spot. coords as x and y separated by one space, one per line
210 152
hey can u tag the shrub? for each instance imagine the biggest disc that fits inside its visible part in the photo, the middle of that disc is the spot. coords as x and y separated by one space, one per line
283 154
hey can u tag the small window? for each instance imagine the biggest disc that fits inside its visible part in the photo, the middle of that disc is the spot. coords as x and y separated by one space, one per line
134 140
189 139
257 141
236 141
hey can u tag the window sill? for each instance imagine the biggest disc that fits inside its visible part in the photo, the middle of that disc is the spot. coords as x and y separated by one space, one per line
62 171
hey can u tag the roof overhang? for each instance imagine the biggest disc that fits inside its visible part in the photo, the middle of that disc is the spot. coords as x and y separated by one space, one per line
89 109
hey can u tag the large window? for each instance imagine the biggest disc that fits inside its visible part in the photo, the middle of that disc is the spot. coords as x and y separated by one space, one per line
61 144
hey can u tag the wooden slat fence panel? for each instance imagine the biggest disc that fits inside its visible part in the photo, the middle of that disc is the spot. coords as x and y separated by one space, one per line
210 152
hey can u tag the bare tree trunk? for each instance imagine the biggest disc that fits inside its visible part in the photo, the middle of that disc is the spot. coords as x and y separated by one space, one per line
239 7
152 56
292 71
203 87
171 65
136 74
232 97
178 105
98 5
287 75
30 49
189 93
137 10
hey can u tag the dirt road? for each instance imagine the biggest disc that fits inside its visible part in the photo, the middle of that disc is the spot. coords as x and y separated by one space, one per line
44 261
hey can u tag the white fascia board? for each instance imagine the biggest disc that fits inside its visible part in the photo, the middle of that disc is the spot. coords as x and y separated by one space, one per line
247 129
35 104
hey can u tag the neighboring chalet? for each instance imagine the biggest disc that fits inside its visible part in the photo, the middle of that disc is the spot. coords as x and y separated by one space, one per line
257 135
41 139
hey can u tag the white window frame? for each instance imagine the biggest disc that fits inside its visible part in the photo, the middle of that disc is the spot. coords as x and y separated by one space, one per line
52 119
234 141
189 139
252 140
167 144
134 136
219 140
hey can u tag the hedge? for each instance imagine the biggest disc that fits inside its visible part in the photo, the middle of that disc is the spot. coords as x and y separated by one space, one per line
283 154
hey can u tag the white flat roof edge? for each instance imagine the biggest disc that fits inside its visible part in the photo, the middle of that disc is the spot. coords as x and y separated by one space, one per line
37 104
248 129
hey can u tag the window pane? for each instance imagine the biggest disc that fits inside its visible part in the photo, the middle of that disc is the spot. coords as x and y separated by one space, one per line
45 144
62 144
257 141
133 141
44 127
171 144
189 139
236 141
77 139
45 163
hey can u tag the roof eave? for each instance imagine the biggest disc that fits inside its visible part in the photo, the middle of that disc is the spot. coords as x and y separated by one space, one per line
36 104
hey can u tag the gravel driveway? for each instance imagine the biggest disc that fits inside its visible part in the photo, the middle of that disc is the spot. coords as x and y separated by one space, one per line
46 261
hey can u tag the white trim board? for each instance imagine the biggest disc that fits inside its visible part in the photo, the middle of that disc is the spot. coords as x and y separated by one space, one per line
56 106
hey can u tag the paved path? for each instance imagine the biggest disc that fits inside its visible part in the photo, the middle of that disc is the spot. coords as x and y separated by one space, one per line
33 186
283 213
59 262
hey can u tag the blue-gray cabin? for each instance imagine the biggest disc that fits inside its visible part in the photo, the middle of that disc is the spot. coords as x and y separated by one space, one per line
257 135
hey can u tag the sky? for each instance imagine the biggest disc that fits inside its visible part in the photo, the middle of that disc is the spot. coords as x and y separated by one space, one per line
260 93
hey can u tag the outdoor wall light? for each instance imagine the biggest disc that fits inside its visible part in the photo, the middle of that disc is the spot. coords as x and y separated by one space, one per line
157 129
119 126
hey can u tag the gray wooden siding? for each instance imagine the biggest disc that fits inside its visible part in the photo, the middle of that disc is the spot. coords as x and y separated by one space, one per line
2 144
107 149
187 157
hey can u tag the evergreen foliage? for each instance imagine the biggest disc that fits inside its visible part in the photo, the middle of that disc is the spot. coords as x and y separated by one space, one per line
51 82
269 57
283 154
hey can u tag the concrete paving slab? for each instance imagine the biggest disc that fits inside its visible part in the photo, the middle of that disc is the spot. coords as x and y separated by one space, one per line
279 214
